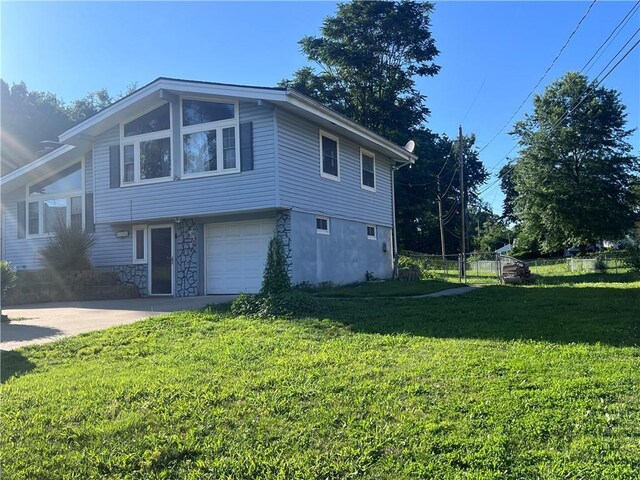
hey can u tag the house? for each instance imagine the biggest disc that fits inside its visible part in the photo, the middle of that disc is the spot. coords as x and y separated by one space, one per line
504 249
183 184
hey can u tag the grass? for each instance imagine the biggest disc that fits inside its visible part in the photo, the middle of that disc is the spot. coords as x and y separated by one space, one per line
505 382
385 288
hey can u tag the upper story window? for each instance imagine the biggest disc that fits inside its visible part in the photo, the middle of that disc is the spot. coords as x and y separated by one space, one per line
329 156
54 200
146 146
210 140
367 170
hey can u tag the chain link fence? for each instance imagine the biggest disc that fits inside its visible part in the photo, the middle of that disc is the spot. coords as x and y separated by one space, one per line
474 268
484 268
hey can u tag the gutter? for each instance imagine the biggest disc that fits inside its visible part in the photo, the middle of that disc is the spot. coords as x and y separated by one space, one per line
395 168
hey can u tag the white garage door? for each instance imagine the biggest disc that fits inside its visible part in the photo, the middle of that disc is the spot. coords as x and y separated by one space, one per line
236 254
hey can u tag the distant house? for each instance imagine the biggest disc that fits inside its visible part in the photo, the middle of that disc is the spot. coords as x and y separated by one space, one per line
504 249
184 183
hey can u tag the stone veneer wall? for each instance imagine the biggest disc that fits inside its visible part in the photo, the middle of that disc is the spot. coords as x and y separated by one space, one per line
283 230
134 274
187 258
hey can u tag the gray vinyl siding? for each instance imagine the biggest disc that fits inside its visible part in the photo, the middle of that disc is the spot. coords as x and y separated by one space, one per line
109 250
191 197
303 189
21 252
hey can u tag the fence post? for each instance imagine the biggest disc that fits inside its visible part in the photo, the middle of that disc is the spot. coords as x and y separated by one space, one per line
460 267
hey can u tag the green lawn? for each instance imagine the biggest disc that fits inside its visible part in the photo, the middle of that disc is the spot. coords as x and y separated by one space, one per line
386 288
505 382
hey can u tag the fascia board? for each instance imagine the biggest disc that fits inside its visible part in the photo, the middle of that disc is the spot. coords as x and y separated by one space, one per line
16 174
305 103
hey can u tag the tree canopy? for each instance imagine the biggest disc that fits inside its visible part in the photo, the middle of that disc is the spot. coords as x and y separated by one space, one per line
436 176
572 181
368 55
29 118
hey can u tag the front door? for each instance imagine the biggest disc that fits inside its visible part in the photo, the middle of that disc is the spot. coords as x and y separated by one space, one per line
161 261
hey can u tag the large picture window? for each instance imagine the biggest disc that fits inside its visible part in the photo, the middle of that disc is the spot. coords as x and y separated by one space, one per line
54 200
146 146
210 142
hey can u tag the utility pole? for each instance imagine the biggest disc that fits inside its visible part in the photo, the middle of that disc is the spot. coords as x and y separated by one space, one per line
462 203
441 222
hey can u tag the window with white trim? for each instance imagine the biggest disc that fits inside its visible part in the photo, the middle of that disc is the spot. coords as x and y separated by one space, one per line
56 199
322 225
371 232
210 140
139 244
367 170
146 146
329 156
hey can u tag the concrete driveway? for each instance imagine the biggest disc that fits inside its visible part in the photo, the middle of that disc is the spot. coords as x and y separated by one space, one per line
46 322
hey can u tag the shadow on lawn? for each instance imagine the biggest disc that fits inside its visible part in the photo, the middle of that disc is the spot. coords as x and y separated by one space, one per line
557 314
588 278
13 363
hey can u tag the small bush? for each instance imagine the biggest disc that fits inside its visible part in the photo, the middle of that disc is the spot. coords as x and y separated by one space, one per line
631 257
421 266
288 305
68 249
8 277
600 265
275 280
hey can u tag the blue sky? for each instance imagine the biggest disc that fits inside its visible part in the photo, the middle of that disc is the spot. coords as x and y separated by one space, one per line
493 52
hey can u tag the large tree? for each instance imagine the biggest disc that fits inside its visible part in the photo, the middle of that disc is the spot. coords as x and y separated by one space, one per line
434 179
28 118
367 58
571 183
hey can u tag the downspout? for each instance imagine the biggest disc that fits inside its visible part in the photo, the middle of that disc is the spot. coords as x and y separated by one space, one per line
394 168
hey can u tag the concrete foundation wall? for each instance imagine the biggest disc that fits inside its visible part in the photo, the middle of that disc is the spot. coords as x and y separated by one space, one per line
343 256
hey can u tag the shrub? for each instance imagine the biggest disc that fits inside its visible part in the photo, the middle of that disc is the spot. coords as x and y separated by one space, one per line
600 265
631 257
418 265
288 305
276 279
68 249
8 277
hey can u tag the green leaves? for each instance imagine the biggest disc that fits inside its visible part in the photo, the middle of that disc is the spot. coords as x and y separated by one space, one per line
67 249
368 55
572 181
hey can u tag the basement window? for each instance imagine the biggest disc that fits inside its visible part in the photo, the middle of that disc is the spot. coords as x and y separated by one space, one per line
322 225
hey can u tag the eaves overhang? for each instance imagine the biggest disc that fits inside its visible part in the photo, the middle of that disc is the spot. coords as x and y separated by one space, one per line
164 88
37 168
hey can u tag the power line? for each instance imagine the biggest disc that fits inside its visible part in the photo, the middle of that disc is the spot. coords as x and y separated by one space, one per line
596 83
618 28
543 76
474 100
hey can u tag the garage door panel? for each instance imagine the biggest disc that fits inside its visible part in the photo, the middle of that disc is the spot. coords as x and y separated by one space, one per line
236 254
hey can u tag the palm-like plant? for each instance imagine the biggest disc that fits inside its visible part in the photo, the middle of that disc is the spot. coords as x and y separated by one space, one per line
68 249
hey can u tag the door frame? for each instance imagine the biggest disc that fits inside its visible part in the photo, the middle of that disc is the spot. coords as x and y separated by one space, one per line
150 260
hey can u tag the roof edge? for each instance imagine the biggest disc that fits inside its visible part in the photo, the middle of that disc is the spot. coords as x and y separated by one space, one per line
35 164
